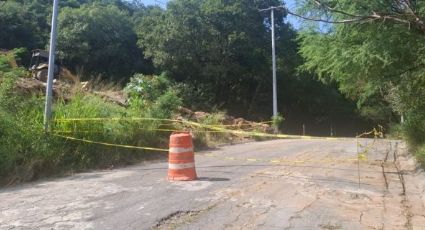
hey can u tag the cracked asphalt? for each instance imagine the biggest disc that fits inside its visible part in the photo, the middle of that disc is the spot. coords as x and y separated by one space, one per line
279 184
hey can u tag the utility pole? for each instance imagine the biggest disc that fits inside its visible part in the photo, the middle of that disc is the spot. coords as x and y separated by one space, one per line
51 67
274 67
275 113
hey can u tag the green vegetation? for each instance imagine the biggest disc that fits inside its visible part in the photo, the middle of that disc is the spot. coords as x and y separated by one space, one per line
94 34
218 53
213 56
27 153
377 60
277 121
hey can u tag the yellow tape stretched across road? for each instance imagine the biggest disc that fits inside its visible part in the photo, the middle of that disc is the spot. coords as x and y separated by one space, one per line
274 161
159 129
214 128
217 128
109 144
63 120
136 119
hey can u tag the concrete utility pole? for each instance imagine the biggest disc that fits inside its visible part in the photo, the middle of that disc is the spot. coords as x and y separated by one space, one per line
275 113
51 67
274 67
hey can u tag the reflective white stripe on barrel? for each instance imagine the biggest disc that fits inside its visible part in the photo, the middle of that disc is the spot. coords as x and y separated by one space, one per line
180 150
181 166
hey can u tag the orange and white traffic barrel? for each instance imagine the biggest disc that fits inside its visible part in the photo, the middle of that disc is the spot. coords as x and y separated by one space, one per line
181 158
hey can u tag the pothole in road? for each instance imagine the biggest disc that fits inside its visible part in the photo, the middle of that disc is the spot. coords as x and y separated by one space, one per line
175 219
330 226
178 218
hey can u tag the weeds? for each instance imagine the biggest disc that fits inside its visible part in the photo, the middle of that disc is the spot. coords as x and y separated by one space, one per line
420 154
204 136
26 152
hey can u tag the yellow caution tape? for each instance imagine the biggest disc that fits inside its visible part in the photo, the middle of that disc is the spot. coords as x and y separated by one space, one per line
110 144
216 128
160 130
374 131
212 128
77 132
113 119
362 156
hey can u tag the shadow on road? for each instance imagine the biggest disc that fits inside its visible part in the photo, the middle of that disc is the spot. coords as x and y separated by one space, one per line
213 179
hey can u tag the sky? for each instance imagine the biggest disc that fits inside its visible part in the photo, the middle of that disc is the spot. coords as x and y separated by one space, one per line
289 3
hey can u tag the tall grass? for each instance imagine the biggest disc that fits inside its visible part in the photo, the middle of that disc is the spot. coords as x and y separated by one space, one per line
26 152
414 132
207 137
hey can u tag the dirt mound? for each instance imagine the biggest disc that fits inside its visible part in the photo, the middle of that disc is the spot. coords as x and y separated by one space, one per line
230 121
31 86
66 89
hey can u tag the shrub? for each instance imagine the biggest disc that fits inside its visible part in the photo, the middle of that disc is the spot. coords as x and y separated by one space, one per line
147 88
166 105
420 154
414 128
199 97
277 121
205 136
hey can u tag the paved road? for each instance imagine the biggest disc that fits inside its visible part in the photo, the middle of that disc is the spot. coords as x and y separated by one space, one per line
280 184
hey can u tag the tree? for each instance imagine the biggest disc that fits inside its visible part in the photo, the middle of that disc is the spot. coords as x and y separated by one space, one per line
100 39
22 25
376 58
222 44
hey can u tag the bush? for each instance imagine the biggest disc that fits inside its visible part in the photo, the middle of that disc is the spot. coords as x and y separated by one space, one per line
205 136
199 97
395 131
277 121
414 129
153 96
420 154
166 105
147 88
